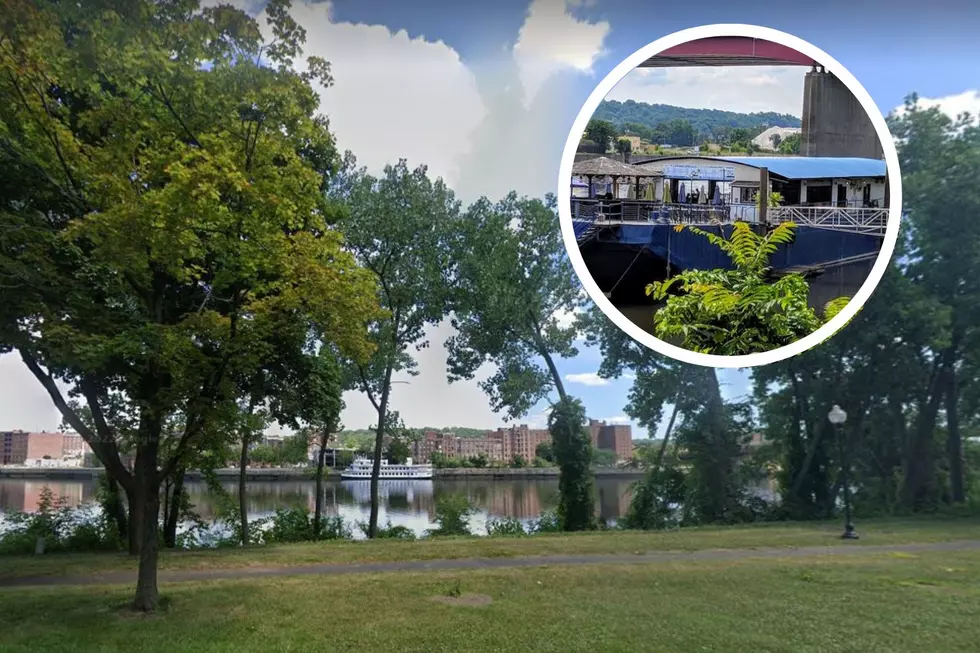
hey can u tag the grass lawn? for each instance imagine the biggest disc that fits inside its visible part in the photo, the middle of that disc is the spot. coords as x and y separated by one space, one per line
865 602
337 552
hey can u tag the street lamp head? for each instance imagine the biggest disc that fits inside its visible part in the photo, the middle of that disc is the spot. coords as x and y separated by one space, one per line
837 416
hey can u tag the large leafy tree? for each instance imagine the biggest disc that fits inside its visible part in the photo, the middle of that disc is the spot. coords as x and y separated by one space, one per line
164 183
708 430
516 293
400 227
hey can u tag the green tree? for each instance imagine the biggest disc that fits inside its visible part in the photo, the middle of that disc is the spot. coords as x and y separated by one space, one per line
516 289
545 451
601 132
623 146
151 205
398 451
738 311
399 226
603 457
790 144
776 141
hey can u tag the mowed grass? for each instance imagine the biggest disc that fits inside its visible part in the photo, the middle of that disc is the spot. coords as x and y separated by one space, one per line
612 542
864 602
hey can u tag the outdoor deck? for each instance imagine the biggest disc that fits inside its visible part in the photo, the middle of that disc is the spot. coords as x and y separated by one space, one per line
591 213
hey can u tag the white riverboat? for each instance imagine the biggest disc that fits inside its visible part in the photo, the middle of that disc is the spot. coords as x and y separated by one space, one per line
361 469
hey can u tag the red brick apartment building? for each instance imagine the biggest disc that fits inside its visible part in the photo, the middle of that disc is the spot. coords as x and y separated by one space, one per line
504 444
21 447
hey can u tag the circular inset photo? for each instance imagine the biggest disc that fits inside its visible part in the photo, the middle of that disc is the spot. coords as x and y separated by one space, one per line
730 196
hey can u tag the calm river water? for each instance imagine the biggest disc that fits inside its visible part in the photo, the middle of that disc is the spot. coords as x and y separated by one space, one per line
406 503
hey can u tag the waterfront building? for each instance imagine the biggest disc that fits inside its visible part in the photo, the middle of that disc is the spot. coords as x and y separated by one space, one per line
39 449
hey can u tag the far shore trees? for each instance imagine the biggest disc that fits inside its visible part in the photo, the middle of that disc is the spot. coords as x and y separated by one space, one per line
155 210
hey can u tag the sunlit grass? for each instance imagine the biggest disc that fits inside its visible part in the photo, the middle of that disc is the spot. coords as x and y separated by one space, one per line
612 542
864 602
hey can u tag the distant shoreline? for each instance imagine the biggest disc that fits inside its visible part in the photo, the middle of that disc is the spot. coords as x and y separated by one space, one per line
87 473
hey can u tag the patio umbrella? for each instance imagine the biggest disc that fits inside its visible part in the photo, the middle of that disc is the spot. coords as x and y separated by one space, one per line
717 198
632 191
682 195
648 191
666 198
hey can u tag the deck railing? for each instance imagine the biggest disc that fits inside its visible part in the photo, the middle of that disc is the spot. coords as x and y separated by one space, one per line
852 219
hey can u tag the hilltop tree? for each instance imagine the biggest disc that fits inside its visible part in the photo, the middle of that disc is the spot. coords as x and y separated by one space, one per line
601 132
399 226
151 208
515 286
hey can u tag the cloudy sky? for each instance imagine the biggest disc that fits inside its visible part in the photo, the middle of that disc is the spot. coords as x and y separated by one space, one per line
485 93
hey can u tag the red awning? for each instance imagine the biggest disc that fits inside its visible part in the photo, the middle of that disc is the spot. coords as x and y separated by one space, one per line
728 51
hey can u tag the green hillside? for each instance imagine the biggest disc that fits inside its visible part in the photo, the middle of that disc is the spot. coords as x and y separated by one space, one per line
663 121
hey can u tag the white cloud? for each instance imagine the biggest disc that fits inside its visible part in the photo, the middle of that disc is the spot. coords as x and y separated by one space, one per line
952 105
730 88
393 96
587 378
552 39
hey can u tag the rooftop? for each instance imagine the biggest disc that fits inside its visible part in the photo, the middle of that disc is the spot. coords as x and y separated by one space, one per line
799 167
813 167
604 166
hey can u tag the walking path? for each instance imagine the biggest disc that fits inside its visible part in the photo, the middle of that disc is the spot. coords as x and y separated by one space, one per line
492 563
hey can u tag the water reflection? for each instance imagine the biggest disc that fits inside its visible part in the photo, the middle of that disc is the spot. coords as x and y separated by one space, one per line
404 503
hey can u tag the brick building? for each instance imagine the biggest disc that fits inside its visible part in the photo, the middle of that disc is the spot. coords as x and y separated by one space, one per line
26 448
617 438
520 441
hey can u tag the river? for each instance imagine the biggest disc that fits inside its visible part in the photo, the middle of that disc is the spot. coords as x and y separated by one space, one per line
405 503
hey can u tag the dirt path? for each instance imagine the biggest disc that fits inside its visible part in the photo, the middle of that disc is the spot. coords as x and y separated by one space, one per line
491 563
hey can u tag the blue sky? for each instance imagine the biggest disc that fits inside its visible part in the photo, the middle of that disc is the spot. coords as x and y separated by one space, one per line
485 93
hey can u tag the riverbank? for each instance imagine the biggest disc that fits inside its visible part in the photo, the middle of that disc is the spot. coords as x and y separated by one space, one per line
303 473
864 598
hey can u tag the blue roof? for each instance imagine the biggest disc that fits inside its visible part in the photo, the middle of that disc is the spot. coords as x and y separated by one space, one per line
812 167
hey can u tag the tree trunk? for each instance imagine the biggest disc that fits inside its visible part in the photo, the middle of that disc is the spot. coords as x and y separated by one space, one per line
954 442
318 504
658 463
173 517
378 446
135 533
242 506
148 487
919 487
114 504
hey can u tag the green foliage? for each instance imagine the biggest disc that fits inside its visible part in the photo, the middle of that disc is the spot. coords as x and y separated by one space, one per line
398 451
452 515
573 452
505 527
790 145
389 532
62 528
663 123
656 501
603 457
548 522
546 451
623 146
600 132
518 462
739 311
297 525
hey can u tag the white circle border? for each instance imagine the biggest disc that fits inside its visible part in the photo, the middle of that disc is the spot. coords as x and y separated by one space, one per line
894 198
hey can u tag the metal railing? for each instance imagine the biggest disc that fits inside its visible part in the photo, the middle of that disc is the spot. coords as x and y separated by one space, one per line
855 220
852 219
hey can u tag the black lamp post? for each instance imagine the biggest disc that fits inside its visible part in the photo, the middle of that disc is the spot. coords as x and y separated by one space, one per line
837 417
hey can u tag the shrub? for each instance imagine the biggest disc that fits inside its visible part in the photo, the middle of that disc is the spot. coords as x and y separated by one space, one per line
548 522
389 531
507 526
452 515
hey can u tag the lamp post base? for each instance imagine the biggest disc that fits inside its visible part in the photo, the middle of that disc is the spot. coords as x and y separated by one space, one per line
849 533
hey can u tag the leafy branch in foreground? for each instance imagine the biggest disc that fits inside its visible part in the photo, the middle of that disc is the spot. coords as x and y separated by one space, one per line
738 311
